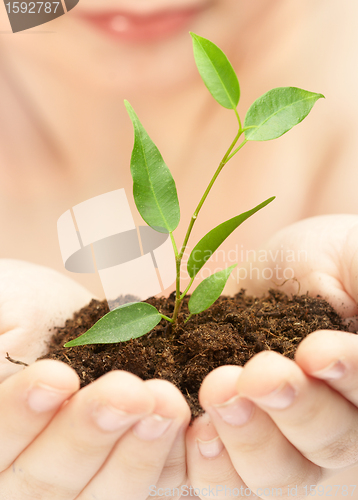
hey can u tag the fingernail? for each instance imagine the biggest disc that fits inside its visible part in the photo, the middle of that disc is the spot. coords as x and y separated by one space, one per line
280 398
210 449
236 411
109 418
42 397
151 427
333 371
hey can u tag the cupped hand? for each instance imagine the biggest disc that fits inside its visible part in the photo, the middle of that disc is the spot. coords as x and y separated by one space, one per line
280 427
33 301
320 253
119 437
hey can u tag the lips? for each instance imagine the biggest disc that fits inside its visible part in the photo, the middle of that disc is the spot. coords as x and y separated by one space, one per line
140 28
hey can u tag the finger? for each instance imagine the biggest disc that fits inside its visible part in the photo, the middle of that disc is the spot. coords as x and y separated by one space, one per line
136 463
70 451
317 420
210 470
174 471
349 267
34 300
333 357
28 401
260 453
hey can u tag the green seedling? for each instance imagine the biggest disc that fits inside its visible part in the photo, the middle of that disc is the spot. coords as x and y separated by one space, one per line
155 194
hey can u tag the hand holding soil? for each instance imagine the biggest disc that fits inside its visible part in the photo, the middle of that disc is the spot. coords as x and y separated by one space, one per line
116 437
292 419
298 432
42 440
321 253
33 301
293 424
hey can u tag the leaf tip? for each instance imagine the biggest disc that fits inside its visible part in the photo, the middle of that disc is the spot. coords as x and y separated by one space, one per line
127 105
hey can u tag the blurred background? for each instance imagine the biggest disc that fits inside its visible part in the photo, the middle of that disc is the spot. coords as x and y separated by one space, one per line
65 136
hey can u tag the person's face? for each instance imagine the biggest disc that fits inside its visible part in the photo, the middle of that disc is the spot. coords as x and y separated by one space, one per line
146 44
141 44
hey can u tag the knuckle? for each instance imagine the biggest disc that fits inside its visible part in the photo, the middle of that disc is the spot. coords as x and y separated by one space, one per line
30 487
174 471
146 466
220 477
263 440
341 451
81 446
315 411
290 484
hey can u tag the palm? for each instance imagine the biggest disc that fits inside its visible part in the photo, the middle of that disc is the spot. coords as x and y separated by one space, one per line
33 300
321 253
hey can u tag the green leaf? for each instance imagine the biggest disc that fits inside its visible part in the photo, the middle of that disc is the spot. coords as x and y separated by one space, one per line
154 189
216 72
276 112
126 322
213 239
209 290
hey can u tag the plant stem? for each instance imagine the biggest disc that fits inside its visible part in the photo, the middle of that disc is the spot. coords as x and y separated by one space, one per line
178 302
187 319
187 288
238 119
207 191
237 149
166 317
177 265
179 256
174 245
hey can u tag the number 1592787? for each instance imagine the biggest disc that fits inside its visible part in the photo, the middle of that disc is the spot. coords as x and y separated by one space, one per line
32 7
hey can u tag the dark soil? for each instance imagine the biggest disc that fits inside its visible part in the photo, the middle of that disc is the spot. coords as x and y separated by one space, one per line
232 331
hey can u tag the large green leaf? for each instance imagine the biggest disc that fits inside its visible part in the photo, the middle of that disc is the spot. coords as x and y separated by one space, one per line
213 239
154 190
277 111
209 290
216 72
126 322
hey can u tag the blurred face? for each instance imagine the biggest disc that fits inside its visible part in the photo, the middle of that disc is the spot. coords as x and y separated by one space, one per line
130 45
144 43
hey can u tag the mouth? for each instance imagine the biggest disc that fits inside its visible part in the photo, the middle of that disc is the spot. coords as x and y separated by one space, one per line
124 26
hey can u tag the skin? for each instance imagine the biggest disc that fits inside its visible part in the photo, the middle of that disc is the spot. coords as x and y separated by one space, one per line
310 436
55 169
306 436
109 453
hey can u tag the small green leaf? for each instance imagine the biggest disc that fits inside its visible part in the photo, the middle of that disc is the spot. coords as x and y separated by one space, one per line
276 112
126 322
213 239
154 189
216 72
209 290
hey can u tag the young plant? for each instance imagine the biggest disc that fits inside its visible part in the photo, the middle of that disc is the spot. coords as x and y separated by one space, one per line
155 195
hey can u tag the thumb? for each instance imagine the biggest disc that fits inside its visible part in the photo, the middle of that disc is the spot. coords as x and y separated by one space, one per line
349 272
